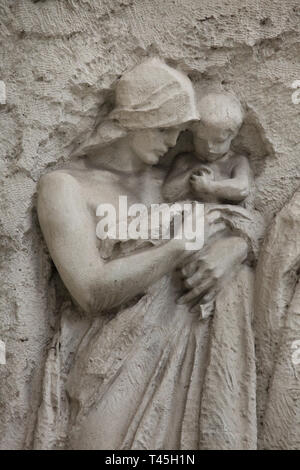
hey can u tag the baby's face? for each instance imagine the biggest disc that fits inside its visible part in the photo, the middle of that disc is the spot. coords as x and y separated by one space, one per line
211 142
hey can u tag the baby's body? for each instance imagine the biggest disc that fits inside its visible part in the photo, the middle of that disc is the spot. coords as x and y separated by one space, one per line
227 179
224 180
213 173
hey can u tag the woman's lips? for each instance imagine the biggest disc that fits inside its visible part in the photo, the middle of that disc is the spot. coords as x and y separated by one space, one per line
161 151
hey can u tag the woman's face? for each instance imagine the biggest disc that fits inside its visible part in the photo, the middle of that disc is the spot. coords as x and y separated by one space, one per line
150 144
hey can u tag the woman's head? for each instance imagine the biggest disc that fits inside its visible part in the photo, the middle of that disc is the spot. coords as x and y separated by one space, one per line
221 116
153 95
153 103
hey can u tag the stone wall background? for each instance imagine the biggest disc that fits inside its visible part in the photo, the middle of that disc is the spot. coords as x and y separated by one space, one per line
59 59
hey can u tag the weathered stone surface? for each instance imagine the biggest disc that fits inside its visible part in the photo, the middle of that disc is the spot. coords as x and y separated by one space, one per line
60 61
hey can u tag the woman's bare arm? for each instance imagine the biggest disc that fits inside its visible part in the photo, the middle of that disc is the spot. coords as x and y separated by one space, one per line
70 234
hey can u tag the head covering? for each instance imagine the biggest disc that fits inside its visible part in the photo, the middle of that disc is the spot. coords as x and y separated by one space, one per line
150 96
154 95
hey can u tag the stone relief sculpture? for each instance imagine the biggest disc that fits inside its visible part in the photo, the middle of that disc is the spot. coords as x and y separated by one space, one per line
127 342
213 173
164 357
277 326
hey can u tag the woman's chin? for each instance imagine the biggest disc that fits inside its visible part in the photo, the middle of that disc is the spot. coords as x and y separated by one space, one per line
151 159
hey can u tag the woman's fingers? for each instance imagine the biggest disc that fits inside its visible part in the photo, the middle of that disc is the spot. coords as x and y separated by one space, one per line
189 269
194 293
187 260
195 279
209 296
190 265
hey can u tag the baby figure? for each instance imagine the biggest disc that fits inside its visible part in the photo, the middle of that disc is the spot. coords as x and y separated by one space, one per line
213 173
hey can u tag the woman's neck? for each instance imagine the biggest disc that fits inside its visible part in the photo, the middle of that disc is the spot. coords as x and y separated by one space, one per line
118 157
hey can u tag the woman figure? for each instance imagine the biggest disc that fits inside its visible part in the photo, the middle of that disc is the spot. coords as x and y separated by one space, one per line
145 374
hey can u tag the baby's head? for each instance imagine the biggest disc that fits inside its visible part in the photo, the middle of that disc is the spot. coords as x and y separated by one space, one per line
221 116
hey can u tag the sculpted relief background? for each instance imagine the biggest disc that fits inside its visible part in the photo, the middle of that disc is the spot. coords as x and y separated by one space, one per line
61 63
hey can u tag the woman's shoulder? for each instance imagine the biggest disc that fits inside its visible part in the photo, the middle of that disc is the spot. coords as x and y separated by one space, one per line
55 181
58 192
70 175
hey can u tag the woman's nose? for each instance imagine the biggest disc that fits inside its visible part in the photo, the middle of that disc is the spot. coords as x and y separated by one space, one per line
172 137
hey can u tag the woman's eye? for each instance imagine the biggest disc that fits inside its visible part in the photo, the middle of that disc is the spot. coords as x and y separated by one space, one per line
222 139
162 129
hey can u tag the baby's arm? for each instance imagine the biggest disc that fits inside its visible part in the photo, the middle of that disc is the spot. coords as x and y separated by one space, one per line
236 188
177 183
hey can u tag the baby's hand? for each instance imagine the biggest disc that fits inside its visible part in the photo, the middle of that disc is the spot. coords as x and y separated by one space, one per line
200 184
201 180
204 170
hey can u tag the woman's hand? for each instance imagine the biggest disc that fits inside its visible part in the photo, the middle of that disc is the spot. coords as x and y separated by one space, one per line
204 273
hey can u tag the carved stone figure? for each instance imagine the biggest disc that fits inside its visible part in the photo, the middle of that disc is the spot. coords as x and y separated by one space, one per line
213 173
277 326
137 342
148 372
